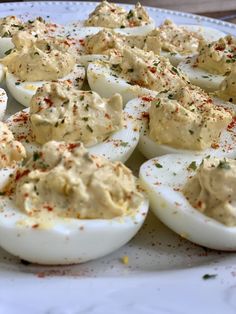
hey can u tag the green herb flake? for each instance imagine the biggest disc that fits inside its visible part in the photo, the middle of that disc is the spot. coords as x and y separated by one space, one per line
130 14
158 165
224 165
89 128
124 144
17 83
209 276
36 156
8 52
192 166
175 70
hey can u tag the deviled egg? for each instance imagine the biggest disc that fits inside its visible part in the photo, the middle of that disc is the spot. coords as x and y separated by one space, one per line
178 42
3 103
11 151
110 15
61 112
10 25
214 61
137 73
66 206
108 45
227 89
186 121
194 197
35 62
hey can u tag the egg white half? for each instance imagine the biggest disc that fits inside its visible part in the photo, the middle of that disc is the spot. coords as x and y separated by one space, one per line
3 103
208 33
118 146
58 241
164 179
202 78
76 29
106 82
85 60
2 72
150 149
5 45
23 91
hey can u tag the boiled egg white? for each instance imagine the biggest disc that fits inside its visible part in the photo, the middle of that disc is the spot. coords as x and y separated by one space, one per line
86 59
117 147
164 178
209 34
3 103
200 77
75 29
23 91
150 149
105 81
5 45
2 72
61 241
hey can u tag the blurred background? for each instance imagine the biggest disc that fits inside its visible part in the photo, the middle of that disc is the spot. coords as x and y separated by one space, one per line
223 9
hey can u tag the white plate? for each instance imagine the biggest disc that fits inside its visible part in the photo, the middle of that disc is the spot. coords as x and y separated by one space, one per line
164 274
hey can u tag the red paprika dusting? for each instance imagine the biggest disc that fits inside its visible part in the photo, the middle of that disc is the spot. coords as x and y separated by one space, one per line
48 101
35 226
81 41
215 145
48 207
145 114
71 146
152 69
20 174
147 98
22 117
219 48
232 124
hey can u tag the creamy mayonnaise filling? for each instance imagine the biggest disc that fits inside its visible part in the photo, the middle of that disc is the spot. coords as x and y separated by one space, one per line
212 190
219 56
176 39
108 42
38 59
110 15
151 71
11 151
186 119
63 179
61 112
10 25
